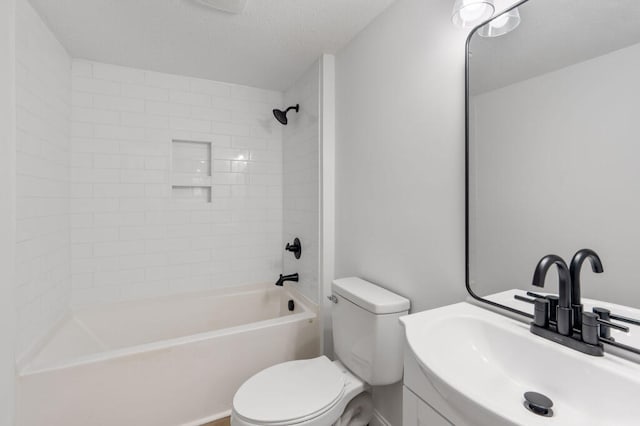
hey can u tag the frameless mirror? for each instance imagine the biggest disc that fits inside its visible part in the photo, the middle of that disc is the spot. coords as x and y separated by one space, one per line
553 149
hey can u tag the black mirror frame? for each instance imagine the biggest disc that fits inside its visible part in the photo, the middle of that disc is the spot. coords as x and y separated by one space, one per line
467 175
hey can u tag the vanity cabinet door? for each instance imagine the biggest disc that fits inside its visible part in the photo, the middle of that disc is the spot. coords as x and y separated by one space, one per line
416 412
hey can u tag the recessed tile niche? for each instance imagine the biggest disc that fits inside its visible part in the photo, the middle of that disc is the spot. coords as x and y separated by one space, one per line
191 171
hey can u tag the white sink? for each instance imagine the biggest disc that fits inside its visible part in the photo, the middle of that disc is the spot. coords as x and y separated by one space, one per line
482 363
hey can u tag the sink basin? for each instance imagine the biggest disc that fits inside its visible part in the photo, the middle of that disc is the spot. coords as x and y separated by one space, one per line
482 363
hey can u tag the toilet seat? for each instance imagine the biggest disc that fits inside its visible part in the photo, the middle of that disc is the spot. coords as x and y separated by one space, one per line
295 392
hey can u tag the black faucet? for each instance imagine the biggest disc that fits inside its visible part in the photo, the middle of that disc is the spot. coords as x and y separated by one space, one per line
585 332
564 312
290 277
575 269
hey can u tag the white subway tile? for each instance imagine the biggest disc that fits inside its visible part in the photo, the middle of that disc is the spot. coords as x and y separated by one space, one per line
92 235
144 120
81 130
197 99
118 132
118 103
89 85
106 161
230 154
81 159
82 280
82 99
79 190
168 81
190 124
213 114
158 163
118 248
144 176
80 68
119 219
97 116
82 220
145 92
121 178
118 278
229 179
210 87
168 109
118 190
119 74
157 190
250 143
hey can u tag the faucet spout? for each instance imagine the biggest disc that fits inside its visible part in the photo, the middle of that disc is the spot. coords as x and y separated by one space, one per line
564 311
576 269
284 278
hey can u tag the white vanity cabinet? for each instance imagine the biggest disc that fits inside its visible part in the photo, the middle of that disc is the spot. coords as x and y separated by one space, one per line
416 412
415 392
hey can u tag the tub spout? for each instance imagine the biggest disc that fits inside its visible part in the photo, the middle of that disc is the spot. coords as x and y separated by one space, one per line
290 277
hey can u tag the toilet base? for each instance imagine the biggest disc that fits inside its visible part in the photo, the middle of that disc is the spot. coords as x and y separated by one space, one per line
358 412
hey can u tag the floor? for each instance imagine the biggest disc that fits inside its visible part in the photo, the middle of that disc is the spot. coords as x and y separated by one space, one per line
221 422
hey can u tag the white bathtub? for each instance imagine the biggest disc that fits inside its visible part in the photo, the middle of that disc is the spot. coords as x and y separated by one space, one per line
169 361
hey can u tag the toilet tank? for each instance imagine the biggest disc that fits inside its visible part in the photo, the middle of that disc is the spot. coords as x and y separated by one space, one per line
367 336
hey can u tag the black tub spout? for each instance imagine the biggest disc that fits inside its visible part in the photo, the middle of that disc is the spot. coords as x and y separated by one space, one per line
290 277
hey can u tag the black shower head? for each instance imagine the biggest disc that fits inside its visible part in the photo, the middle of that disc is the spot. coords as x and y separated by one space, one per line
281 116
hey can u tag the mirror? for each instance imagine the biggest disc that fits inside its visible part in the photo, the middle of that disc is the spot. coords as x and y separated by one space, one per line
553 149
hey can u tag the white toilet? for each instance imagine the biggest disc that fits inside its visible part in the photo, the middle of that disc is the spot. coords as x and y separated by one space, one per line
367 339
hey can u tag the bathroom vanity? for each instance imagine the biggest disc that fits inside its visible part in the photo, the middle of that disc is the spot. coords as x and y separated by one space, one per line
552 183
470 366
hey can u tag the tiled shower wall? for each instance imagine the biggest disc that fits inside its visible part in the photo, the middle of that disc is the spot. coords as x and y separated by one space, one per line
301 180
133 235
43 92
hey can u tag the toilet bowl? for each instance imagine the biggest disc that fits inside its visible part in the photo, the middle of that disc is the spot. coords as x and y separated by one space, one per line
314 392
367 338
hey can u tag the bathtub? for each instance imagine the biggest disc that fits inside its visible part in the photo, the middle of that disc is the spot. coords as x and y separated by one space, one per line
167 361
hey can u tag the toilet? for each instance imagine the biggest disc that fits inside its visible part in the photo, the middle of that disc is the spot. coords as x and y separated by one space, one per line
367 339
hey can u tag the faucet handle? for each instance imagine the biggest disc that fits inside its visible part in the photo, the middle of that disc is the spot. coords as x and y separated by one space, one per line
595 329
553 303
610 324
541 312
604 319
295 248
524 299
625 319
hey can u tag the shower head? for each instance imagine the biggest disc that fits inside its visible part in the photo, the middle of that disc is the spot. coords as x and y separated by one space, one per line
281 116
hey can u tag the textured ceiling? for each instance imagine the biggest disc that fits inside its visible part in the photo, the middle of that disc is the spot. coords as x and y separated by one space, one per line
553 34
269 45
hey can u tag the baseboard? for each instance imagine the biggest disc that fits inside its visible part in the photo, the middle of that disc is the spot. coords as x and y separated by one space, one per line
209 419
378 420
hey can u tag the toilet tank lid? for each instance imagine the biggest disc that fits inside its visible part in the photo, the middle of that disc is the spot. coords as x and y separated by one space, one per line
369 296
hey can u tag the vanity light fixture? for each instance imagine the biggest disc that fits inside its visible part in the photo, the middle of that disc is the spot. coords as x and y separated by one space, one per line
469 13
501 24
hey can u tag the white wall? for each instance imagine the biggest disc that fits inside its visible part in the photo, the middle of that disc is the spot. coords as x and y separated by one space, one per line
301 180
130 238
7 211
400 160
43 125
557 170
